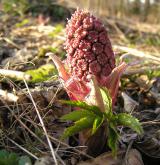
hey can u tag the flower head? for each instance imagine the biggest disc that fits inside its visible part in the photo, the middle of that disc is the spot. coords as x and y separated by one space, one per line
89 54
89 50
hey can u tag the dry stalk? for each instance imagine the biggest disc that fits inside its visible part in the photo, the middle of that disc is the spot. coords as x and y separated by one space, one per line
24 115
43 126
15 74
140 70
22 148
10 42
17 118
74 148
137 53
118 30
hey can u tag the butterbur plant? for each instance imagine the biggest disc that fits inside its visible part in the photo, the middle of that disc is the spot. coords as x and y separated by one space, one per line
91 78
92 117
89 52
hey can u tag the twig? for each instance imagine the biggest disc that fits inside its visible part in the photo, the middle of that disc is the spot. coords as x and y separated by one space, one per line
22 148
15 74
156 122
140 70
126 154
121 34
10 42
137 53
43 126
74 148
17 118
54 96
8 96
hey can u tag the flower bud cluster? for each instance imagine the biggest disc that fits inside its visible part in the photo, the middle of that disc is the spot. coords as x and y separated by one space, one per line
89 50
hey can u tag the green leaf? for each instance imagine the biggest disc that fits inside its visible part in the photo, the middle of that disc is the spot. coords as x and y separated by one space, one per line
3 154
24 160
84 105
12 158
129 121
22 23
7 158
113 138
77 115
107 99
58 29
80 125
96 124
79 104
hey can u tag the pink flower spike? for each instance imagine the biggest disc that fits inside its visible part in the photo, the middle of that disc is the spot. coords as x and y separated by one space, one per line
89 54
112 81
60 66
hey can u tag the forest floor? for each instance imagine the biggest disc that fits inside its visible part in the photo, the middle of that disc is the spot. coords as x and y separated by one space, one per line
24 41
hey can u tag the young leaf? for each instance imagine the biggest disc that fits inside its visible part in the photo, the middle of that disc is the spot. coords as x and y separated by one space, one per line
84 105
107 99
80 125
7 158
129 121
79 104
113 138
11 158
96 124
77 115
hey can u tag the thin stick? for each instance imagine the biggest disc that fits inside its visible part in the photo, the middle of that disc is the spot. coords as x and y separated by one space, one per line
121 34
62 143
137 53
10 42
140 70
126 154
156 122
22 148
17 118
42 123
74 148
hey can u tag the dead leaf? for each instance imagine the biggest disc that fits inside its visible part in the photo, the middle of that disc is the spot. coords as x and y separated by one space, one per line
105 159
133 158
143 82
129 103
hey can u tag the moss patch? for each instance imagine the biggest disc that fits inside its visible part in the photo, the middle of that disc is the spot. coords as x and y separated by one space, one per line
43 73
